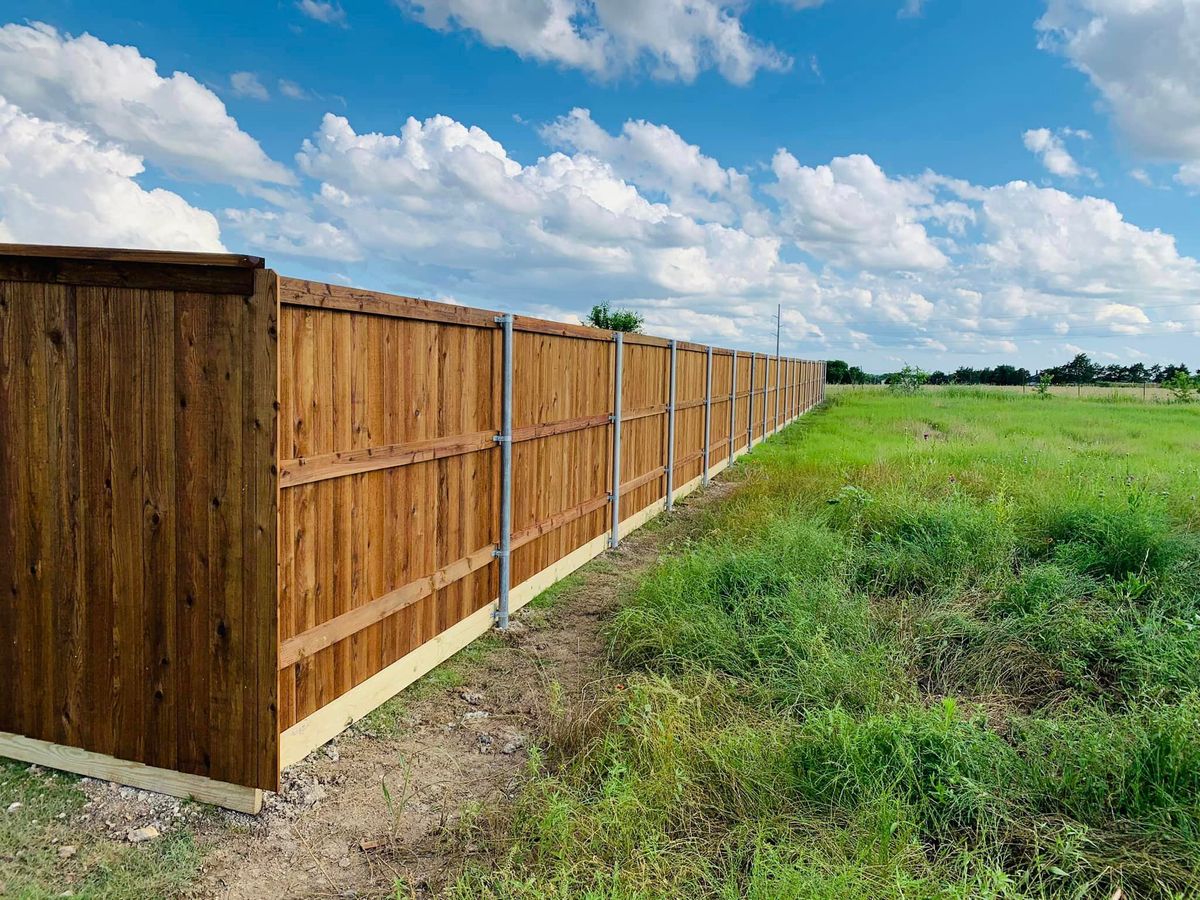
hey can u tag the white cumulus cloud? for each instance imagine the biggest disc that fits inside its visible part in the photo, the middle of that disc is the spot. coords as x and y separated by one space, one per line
1052 150
323 11
658 159
851 213
115 93
675 40
1143 56
247 84
59 186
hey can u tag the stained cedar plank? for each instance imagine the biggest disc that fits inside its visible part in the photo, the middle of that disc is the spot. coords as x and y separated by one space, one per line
305 522
27 567
297 292
342 520
116 254
129 275
159 520
128 601
261 555
324 675
566 426
333 630
11 402
338 464
40 525
61 699
95 320
194 424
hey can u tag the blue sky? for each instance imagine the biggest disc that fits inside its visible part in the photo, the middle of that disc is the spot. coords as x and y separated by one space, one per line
948 182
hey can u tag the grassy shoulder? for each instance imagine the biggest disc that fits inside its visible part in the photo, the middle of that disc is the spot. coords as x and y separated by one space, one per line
940 645
44 852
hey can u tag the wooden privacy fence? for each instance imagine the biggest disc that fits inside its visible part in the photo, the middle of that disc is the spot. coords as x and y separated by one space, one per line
241 510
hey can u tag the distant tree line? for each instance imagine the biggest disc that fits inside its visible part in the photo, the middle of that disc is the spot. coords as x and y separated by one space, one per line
1080 370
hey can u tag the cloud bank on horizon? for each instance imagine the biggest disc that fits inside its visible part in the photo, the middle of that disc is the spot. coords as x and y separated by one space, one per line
892 264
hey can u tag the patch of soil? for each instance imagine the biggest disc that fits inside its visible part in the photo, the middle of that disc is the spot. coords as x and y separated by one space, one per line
367 812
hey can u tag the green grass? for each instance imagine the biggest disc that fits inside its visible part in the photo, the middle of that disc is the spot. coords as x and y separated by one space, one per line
390 719
945 645
31 835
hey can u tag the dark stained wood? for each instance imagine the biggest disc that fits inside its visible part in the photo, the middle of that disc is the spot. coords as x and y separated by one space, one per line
215 279
227 499
137 520
112 254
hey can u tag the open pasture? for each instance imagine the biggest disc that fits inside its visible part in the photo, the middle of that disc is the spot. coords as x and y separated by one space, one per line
939 645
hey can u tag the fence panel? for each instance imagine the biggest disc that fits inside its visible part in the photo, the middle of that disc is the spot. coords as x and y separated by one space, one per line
137 509
238 512
388 498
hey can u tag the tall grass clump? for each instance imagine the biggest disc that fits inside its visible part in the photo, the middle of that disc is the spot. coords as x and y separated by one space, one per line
935 645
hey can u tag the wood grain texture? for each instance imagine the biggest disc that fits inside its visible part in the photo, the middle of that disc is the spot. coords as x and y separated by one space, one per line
137 428
228 500
134 774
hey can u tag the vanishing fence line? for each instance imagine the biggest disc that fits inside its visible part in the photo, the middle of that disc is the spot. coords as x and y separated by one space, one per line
326 492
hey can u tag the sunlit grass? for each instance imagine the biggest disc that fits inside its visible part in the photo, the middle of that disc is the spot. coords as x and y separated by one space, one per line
945 645
37 820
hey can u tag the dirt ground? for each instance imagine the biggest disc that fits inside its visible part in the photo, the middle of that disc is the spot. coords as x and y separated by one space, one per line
382 807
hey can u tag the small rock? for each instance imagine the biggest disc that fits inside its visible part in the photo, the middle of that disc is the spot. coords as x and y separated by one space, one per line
344 862
14 806
66 851
475 715
314 794
331 751
139 835
472 697
513 746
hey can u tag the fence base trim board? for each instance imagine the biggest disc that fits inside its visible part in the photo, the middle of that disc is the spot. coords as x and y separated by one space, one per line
133 774
332 719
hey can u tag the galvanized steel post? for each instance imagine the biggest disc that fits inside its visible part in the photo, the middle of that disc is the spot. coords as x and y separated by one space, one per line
707 416
766 382
504 439
671 435
614 536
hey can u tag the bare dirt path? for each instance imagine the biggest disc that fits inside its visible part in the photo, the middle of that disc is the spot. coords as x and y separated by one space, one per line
385 803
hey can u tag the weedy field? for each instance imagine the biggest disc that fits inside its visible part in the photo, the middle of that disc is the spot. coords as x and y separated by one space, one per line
941 645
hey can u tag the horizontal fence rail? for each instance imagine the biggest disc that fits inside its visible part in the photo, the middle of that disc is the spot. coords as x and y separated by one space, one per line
239 511
393 468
